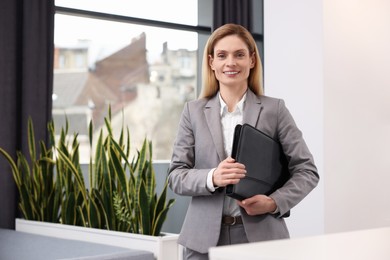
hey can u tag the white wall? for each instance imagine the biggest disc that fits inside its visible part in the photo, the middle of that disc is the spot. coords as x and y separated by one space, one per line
330 61
293 70
357 114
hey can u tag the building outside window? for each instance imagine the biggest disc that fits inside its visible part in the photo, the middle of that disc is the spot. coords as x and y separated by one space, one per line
144 73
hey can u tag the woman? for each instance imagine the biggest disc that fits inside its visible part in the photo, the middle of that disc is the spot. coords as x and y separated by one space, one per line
201 165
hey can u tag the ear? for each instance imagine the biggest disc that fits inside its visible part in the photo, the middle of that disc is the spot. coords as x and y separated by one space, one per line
211 59
253 60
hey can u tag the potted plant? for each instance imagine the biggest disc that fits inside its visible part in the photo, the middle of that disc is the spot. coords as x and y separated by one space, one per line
121 199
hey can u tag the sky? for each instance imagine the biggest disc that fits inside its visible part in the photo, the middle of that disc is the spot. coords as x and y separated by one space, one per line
105 37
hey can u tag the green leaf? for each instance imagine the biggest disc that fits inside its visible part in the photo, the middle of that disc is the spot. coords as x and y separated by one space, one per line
101 209
119 171
15 171
144 207
75 172
99 163
25 200
69 213
160 219
94 219
80 212
31 139
90 133
108 126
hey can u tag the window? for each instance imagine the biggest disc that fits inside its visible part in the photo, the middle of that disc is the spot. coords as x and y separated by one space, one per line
144 72
174 11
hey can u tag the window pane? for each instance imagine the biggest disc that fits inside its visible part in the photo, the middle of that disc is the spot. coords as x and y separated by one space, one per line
174 11
144 73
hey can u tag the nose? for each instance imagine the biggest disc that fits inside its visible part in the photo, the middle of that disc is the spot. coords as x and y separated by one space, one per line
231 61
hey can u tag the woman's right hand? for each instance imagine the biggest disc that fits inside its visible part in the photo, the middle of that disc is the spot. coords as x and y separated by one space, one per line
228 172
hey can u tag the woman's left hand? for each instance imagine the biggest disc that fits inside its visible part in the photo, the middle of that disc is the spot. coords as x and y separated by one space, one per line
258 205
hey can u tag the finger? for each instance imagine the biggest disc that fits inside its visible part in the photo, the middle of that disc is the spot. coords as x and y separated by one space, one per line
249 201
230 159
235 175
240 204
239 165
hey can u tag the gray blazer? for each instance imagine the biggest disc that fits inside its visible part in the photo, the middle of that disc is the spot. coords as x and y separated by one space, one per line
199 147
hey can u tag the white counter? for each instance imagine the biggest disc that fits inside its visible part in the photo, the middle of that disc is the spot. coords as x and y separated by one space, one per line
357 245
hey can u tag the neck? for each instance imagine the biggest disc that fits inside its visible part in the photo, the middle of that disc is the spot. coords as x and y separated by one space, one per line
232 96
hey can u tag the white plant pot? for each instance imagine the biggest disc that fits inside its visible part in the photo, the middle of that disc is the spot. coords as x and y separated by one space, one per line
163 247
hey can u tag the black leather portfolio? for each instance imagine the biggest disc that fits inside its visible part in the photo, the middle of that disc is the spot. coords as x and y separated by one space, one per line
264 160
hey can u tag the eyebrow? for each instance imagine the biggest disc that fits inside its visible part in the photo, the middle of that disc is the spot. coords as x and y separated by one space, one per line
234 51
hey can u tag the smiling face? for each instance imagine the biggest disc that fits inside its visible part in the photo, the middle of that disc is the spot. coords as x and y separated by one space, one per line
232 62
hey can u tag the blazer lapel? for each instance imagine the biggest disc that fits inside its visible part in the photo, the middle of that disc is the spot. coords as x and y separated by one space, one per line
213 119
252 109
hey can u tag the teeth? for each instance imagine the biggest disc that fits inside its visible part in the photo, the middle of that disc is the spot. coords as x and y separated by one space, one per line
231 72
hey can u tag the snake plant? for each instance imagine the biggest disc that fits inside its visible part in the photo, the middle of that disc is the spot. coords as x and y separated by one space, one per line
121 195
34 176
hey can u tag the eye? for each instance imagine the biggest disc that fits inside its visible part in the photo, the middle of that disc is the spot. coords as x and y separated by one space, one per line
240 54
221 55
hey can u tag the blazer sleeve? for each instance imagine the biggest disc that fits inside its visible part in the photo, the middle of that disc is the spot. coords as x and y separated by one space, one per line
304 176
184 178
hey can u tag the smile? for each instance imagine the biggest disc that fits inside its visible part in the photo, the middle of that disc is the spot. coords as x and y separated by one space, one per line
230 72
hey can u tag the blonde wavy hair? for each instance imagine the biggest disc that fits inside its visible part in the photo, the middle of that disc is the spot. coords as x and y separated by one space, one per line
210 84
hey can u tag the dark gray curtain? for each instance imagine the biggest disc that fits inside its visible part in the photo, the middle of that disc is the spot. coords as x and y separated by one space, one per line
26 72
233 11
